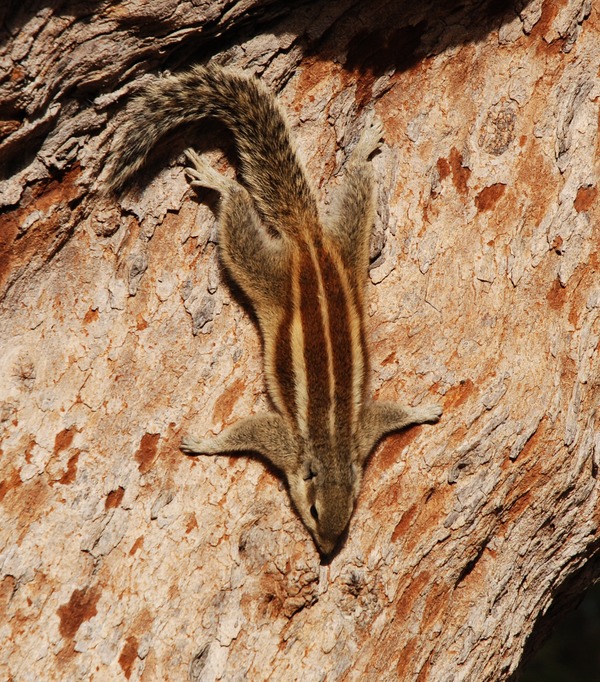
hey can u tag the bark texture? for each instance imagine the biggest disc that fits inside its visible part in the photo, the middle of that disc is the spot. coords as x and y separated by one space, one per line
120 558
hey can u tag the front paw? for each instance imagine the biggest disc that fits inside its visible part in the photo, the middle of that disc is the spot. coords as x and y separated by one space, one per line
193 446
427 414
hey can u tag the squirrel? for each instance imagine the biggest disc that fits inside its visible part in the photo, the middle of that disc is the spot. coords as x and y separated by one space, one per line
305 279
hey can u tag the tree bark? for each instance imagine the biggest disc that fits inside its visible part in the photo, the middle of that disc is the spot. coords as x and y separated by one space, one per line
120 558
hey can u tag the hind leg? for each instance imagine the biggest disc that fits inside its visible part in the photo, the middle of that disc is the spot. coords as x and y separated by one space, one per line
257 261
353 213
202 174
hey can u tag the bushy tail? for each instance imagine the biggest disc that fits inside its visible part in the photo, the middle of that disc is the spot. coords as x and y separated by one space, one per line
269 165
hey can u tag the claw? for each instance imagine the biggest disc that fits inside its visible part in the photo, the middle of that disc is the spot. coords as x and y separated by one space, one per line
370 140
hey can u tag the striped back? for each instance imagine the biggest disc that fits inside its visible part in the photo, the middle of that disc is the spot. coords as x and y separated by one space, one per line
316 365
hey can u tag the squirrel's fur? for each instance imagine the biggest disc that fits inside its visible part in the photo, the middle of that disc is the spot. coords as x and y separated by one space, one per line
305 283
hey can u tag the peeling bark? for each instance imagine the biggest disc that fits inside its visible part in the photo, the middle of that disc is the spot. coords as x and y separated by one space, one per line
122 559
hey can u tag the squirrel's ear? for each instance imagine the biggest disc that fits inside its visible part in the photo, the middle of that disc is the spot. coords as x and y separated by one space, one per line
266 434
379 419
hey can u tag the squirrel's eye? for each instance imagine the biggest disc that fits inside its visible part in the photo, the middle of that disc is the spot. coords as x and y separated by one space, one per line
309 475
313 512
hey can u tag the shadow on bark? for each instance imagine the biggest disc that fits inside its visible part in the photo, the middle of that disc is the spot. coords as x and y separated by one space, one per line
567 597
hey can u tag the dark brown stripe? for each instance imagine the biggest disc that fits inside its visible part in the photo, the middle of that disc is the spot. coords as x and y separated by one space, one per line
315 352
358 299
284 366
341 343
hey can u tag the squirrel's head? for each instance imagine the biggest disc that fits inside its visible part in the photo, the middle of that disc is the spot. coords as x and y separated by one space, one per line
324 494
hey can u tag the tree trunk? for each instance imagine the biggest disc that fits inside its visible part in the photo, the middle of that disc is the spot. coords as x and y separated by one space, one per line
120 557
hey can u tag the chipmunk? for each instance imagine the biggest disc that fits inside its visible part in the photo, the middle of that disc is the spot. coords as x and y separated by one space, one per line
305 279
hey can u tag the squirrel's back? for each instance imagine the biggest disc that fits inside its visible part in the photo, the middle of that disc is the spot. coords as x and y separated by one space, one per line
268 163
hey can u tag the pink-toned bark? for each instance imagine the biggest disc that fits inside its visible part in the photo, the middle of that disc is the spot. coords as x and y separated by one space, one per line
120 558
